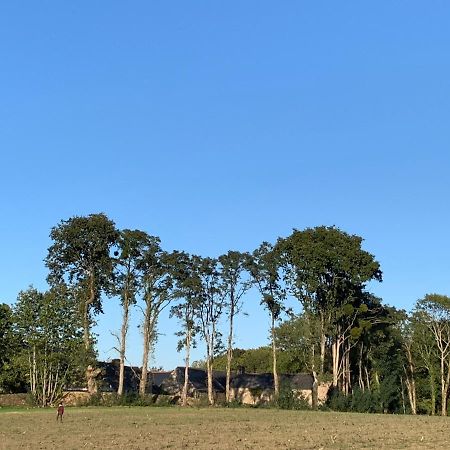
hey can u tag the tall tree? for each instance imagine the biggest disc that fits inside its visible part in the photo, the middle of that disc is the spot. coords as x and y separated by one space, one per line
208 312
156 267
235 285
188 291
52 338
298 342
11 377
264 266
80 256
131 247
409 366
434 311
425 355
326 268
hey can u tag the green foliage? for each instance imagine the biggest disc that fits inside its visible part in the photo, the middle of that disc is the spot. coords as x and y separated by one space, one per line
365 401
126 399
11 377
263 265
52 349
81 250
359 401
289 399
80 257
258 360
338 401
295 338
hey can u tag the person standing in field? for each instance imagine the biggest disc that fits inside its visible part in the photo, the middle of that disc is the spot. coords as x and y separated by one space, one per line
60 412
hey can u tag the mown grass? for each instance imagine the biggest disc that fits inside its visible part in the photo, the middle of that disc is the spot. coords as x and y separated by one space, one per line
217 428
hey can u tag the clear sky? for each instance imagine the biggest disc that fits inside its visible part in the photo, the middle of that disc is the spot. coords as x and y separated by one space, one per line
217 125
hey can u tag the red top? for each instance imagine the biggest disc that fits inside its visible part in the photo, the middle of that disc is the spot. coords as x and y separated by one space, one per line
61 409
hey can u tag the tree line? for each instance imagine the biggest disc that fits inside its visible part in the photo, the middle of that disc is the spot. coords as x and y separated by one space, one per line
376 357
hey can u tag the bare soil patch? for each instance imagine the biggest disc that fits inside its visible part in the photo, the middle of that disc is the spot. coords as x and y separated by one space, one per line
218 428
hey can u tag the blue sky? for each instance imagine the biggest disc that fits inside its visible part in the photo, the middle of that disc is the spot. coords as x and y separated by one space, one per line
217 125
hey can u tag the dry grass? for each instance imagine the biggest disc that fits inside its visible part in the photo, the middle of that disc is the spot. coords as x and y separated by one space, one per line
176 428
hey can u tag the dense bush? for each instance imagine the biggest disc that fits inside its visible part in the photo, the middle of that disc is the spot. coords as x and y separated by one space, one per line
289 399
358 401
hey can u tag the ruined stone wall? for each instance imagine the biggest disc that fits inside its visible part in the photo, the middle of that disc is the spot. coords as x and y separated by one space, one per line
13 399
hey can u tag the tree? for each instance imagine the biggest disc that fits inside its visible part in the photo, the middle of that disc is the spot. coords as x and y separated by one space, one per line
263 265
297 341
11 378
157 283
187 290
409 366
434 311
131 246
326 269
380 354
253 360
80 257
424 355
52 341
235 285
208 312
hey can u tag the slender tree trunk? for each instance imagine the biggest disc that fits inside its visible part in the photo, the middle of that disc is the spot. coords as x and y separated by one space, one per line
274 353
335 348
123 337
403 395
209 369
443 389
322 343
360 373
90 371
146 350
209 365
34 370
367 377
184 393
348 375
410 381
86 334
44 384
229 351
433 391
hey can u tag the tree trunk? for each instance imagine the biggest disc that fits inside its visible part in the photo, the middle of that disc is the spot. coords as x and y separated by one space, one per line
367 378
443 389
347 371
123 337
410 381
145 351
433 392
90 379
184 393
274 353
209 365
229 351
86 334
322 343
403 395
335 348
315 391
209 370
360 373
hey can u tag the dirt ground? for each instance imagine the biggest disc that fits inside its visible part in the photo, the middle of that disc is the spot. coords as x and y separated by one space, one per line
221 428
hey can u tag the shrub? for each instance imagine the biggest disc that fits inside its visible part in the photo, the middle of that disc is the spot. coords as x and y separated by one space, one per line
288 399
337 400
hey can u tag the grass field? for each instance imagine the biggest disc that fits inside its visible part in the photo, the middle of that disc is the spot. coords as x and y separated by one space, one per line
177 428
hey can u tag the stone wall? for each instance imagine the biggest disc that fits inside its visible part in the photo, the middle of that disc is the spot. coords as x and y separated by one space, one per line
13 400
